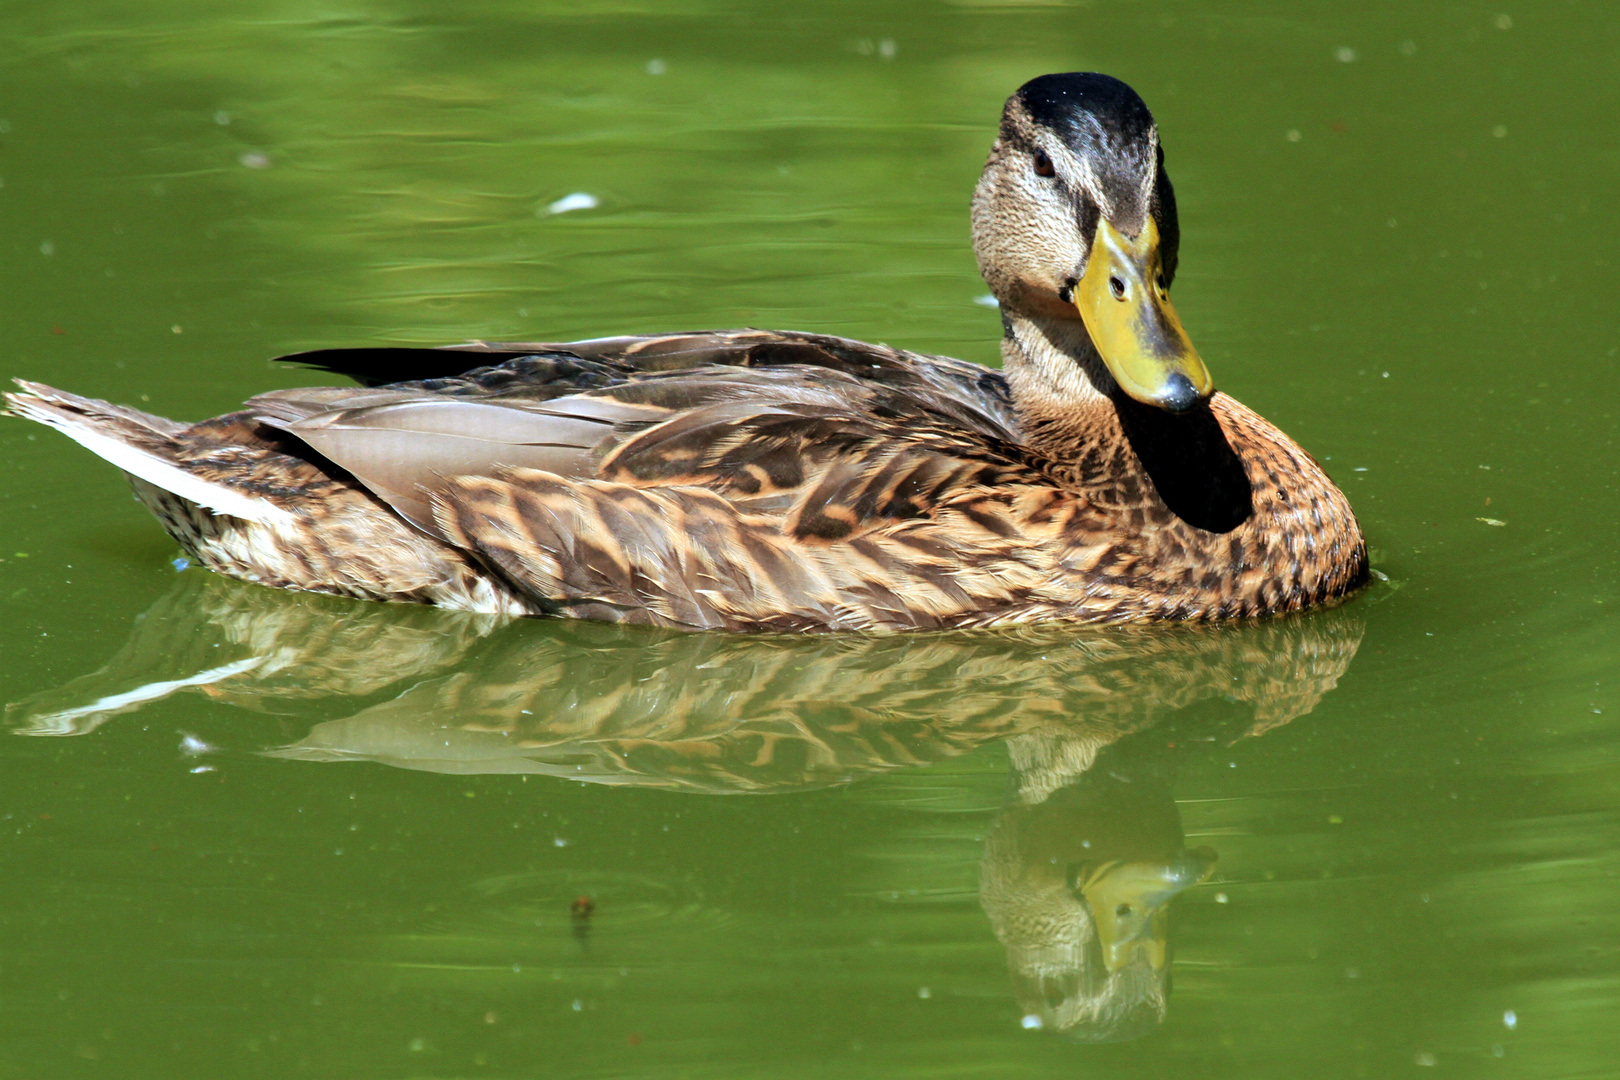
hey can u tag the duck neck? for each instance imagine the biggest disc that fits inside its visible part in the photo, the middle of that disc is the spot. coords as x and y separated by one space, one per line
1059 384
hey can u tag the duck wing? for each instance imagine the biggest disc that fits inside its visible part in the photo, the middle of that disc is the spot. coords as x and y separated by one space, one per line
971 390
689 476
745 413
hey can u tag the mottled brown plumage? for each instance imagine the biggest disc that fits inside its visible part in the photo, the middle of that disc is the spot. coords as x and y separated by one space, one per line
754 480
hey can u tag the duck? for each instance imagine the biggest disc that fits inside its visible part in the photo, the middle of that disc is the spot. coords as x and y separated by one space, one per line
780 481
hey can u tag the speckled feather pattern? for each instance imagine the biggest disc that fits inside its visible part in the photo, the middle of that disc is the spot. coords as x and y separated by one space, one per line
753 481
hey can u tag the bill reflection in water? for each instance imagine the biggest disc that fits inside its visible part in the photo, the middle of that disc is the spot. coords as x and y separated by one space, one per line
1079 868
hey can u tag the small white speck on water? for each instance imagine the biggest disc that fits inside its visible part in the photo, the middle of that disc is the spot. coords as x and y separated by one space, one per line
656 67
222 118
1359 468
1499 131
1510 1019
253 159
578 200
924 993
47 248
557 841
1030 1023
1344 54
579 1006
1221 898
1492 522
987 300
203 769
1294 135
1352 973
177 329
1425 1059
1504 21
195 747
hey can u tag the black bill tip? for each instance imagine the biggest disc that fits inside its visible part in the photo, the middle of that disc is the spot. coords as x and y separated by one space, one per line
1179 394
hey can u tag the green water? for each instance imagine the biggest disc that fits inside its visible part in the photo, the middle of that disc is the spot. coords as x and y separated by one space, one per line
258 834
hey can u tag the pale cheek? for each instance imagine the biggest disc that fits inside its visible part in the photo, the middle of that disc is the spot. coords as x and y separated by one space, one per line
1042 249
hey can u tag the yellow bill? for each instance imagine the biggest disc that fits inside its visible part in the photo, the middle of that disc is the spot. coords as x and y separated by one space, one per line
1130 905
1127 309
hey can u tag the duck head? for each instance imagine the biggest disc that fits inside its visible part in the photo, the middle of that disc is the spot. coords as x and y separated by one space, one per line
1074 226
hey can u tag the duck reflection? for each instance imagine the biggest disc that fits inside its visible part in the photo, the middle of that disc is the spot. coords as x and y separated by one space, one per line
1079 868
1078 873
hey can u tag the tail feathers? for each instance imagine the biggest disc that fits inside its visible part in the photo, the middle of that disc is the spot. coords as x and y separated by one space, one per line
141 444
45 715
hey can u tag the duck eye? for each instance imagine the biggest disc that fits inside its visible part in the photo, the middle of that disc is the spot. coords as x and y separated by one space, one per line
1043 164
1117 287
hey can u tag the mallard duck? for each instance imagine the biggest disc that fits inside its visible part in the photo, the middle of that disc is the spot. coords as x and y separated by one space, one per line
756 480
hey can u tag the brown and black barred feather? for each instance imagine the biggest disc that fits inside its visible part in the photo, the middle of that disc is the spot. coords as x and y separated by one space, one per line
744 480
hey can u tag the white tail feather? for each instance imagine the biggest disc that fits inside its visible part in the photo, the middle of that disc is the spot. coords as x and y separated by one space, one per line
217 497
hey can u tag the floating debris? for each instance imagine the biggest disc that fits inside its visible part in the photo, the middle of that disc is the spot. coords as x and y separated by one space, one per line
1492 522
656 67
255 160
192 746
579 200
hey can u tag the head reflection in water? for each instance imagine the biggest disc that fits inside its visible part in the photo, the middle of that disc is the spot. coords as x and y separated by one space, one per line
1077 885
1079 868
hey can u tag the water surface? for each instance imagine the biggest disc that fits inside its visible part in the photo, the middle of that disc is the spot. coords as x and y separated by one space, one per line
252 833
